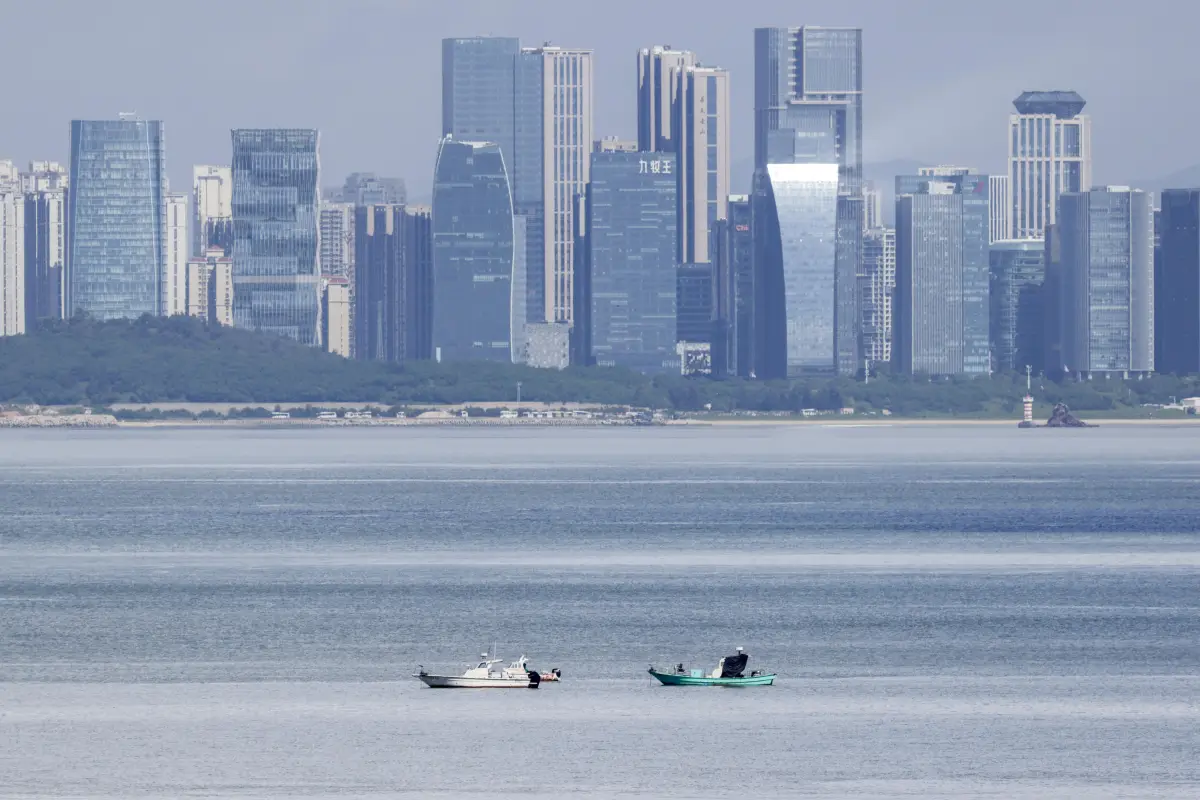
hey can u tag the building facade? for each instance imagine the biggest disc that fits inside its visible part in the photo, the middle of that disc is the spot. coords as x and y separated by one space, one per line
633 242
472 254
795 248
535 104
877 287
276 274
1106 294
335 316
1018 271
177 246
45 254
1000 208
12 261
808 112
212 207
733 261
379 295
418 281
210 287
116 218
1050 153
683 108
1177 284
941 303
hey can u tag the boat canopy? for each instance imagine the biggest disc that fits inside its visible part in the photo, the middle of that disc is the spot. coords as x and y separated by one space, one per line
733 666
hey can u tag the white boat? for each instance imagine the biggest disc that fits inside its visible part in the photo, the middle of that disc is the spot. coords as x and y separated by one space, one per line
486 675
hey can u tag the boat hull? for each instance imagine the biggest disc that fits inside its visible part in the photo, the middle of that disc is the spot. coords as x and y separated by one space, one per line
458 682
673 679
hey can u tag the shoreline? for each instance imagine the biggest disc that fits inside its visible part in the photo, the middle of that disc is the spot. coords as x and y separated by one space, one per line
59 423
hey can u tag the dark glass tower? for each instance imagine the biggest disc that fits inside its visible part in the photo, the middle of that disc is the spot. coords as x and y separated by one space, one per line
808 111
1177 288
632 240
276 280
116 221
941 306
472 254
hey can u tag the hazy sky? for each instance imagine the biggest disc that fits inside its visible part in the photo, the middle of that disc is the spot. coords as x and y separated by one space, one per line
939 76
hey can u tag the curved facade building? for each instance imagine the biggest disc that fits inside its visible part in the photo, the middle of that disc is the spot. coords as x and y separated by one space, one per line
276 279
795 218
473 299
116 222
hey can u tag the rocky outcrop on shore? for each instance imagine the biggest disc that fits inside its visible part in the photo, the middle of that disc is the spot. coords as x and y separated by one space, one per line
58 421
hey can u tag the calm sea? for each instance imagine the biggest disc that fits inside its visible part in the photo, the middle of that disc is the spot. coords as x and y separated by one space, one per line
954 611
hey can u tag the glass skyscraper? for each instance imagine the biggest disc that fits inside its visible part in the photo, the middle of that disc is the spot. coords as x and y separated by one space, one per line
941 307
116 218
733 258
1106 290
1177 284
535 104
808 111
1018 270
276 275
472 254
632 240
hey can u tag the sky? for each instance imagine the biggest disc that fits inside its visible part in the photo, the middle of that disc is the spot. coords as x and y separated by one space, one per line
939 76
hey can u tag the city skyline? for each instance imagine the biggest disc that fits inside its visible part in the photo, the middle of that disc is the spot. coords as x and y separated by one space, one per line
404 143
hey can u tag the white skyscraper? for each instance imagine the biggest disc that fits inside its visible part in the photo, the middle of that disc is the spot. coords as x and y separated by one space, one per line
212 200
872 206
12 260
566 143
999 208
175 251
1050 153
337 241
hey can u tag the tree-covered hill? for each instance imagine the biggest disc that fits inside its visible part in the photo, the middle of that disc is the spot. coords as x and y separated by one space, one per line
155 359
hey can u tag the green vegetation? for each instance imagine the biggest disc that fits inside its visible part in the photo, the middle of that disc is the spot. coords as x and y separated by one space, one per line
180 359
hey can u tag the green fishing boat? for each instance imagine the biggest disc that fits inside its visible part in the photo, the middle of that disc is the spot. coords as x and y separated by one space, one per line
730 671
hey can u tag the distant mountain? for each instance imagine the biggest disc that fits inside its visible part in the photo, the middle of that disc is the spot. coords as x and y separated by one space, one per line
1187 178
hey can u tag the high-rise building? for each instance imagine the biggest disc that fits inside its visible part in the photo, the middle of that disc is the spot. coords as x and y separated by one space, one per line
335 315
418 282
941 307
276 275
212 207
1050 153
560 99
658 72
1000 208
44 176
535 104
683 108
733 260
632 242
337 239
1177 284
877 286
45 254
210 287
116 218
379 296
1106 300
695 298
472 254
12 261
10 176
808 168
872 207
1018 270
177 246
368 189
